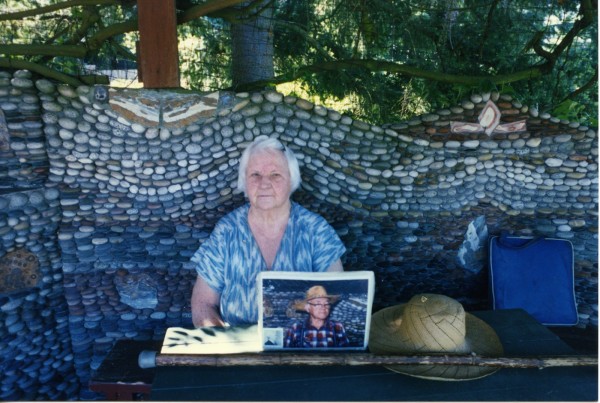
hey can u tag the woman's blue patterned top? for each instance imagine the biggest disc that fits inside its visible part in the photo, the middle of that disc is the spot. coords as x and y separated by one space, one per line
230 259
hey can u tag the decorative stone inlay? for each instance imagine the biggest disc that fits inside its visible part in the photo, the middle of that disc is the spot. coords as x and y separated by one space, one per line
489 122
471 254
136 290
191 108
489 117
100 93
19 270
168 110
145 111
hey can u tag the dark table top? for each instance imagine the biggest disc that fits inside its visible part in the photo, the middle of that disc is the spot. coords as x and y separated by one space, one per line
520 334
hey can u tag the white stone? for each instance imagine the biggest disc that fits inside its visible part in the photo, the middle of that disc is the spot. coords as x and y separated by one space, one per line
45 86
476 98
65 134
67 91
138 128
554 162
164 134
18 82
151 133
451 162
562 138
273 96
471 170
467 105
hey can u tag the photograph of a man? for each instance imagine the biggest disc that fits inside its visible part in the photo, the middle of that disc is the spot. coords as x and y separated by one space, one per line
318 330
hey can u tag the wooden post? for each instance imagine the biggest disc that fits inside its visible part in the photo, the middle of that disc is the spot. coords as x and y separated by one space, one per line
158 65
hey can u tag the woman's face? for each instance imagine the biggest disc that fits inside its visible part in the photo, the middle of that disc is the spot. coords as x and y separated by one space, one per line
268 183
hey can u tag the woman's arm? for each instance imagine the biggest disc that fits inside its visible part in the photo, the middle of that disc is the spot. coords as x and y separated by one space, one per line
336 266
205 305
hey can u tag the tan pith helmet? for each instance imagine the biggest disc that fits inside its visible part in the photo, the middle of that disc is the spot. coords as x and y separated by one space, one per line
432 324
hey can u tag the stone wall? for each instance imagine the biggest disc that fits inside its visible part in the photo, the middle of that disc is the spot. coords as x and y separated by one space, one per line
113 190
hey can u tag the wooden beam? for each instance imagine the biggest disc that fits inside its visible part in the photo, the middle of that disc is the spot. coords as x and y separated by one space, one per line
159 60
149 359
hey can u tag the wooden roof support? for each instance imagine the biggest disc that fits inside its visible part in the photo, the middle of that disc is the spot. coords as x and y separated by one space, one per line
158 64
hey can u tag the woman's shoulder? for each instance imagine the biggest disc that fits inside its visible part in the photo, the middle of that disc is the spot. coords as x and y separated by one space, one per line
304 215
233 220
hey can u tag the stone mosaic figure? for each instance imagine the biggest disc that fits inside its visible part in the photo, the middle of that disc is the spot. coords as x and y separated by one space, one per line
269 232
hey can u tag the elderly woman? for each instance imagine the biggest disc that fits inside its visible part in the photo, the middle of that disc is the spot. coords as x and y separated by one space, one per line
270 232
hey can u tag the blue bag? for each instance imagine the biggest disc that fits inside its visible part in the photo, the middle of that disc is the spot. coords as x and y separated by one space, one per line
535 274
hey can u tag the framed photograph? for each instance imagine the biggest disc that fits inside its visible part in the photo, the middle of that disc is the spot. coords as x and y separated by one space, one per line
315 311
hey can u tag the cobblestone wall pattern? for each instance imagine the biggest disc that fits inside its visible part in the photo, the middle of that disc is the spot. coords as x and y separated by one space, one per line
113 209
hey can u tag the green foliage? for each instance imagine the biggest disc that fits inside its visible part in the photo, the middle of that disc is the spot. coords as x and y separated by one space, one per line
466 38
574 112
462 37
204 55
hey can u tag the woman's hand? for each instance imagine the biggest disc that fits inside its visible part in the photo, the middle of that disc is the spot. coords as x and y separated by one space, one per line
205 305
207 317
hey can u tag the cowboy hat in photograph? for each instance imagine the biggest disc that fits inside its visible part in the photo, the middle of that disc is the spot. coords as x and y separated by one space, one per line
314 292
433 324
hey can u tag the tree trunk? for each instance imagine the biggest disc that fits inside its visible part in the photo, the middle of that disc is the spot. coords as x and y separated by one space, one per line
252 44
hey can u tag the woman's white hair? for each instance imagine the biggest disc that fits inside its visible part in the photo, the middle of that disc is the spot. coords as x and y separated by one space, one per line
265 143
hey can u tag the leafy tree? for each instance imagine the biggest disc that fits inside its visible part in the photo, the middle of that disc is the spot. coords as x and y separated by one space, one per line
392 58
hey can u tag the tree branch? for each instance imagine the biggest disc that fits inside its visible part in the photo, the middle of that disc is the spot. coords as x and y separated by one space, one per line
396 68
90 17
54 7
44 50
291 26
586 12
42 70
590 84
219 7
209 7
116 29
93 43
587 18
488 25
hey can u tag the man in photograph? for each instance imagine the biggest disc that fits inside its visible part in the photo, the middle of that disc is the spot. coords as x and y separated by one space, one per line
317 330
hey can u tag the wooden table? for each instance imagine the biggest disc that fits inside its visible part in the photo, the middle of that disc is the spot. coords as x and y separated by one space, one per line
520 334
119 376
